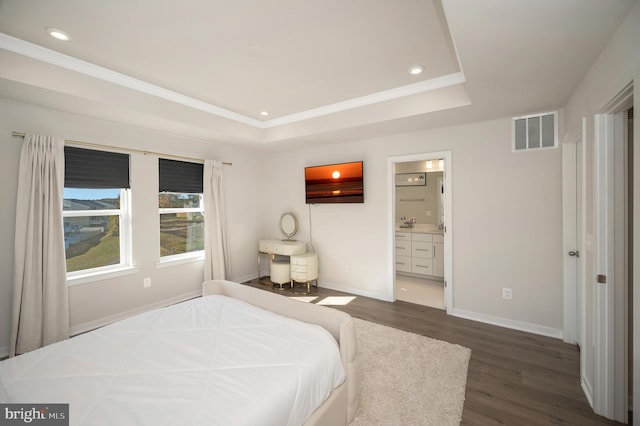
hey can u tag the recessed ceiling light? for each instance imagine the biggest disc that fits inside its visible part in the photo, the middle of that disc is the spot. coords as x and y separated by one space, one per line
58 34
264 113
416 70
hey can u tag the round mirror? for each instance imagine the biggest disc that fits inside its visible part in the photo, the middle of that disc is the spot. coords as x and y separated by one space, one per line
288 224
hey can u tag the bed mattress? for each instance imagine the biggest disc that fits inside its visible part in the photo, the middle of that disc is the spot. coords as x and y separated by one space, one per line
214 360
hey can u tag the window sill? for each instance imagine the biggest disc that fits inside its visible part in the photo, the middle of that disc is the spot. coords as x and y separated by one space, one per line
102 275
180 259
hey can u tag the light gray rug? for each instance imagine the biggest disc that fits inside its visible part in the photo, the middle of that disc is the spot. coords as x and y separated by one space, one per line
408 379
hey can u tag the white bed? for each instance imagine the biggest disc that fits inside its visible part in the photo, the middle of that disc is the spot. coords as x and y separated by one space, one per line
215 360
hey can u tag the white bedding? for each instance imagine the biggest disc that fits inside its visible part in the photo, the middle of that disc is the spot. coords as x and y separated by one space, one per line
213 360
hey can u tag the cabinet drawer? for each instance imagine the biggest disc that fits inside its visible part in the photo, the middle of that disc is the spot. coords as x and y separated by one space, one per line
422 266
303 276
438 238
299 276
403 263
403 248
421 237
422 249
403 236
295 260
299 268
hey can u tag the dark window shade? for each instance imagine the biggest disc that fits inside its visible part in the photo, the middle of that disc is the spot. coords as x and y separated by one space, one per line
180 176
88 168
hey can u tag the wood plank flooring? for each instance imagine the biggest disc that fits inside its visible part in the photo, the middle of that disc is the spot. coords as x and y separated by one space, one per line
514 378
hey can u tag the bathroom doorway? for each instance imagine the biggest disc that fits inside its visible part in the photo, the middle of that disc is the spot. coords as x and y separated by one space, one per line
420 229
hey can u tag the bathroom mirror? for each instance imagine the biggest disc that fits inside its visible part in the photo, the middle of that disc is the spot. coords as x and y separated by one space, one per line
414 199
288 225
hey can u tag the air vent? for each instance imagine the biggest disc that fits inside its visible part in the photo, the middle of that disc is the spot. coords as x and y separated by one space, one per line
535 131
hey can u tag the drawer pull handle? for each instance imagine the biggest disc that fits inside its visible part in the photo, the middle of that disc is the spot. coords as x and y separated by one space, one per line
422 249
400 263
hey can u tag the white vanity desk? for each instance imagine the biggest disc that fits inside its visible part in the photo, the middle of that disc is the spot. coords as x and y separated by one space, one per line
302 267
282 248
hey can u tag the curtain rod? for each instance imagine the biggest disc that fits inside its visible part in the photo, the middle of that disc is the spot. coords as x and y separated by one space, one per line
95 145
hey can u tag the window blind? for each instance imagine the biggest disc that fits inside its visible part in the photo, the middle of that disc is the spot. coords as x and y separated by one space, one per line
88 168
180 176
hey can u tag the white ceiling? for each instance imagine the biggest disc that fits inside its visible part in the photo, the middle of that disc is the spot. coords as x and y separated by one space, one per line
326 71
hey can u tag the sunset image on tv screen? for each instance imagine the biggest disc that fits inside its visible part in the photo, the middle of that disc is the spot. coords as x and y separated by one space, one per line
335 183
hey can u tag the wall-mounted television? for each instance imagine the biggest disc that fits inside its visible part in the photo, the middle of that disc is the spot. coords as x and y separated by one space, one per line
334 183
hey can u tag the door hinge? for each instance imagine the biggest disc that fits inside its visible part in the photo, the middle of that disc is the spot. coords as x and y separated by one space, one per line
445 284
602 279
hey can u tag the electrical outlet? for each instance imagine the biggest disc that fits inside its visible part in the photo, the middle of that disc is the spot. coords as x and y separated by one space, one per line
507 293
348 268
146 282
428 213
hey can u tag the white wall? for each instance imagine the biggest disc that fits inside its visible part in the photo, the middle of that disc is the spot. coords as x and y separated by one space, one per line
99 301
513 241
506 220
617 65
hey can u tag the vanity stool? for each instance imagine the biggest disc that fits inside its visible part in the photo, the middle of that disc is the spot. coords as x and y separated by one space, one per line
281 272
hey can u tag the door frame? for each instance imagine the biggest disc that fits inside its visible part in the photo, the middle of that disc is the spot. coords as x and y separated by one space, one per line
570 287
608 380
448 220
574 235
584 242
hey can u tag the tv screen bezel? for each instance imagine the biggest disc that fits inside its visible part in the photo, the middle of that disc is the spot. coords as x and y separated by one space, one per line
355 199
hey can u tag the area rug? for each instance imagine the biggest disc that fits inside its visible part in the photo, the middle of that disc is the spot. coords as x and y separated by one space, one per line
408 379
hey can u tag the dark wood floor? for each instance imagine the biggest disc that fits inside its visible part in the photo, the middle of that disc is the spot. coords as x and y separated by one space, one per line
514 378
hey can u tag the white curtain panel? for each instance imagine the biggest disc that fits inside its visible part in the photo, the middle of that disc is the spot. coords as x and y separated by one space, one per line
216 247
40 298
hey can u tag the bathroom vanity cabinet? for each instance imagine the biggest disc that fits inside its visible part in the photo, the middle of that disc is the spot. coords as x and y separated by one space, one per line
420 253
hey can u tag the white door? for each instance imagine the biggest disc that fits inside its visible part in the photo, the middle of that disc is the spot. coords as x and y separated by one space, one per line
604 301
610 391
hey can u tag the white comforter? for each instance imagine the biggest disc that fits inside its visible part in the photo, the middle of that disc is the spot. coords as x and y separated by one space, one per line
209 361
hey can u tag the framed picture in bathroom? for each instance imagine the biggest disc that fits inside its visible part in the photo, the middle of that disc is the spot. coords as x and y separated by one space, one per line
411 179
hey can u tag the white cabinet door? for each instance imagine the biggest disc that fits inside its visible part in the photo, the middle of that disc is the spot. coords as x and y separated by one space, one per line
438 259
403 263
403 248
421 266
403 236
422 249
417 236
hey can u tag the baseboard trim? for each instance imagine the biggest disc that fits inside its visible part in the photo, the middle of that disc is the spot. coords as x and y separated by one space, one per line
101 322
244 279
587 389
507 323
350 290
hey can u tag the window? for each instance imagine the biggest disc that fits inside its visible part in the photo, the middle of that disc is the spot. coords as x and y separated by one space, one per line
96 215
535 131
181 209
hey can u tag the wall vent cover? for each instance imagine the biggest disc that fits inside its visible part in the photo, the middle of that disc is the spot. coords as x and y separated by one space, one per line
535 131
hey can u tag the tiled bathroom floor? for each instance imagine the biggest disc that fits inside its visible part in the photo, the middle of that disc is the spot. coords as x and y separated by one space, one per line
421 291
